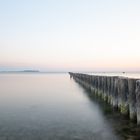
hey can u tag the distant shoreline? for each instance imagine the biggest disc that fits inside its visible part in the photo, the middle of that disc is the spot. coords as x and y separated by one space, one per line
94 72
30 71
24 71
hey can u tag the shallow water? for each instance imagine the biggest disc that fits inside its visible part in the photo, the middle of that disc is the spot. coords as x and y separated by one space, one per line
52 107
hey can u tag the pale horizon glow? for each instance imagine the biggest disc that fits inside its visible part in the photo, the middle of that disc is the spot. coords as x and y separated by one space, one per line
73 35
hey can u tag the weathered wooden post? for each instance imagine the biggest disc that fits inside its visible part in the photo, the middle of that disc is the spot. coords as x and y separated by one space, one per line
96 84
92 84
123 95
105 89
88 81
102 89
132 98
108 89
111 90
115 92
138 100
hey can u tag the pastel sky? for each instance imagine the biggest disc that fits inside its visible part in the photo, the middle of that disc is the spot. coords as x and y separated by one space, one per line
69 35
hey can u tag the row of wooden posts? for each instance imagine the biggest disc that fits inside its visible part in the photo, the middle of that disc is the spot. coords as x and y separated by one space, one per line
121 92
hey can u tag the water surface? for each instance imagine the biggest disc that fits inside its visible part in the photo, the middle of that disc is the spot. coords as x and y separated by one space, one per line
50 107
122 74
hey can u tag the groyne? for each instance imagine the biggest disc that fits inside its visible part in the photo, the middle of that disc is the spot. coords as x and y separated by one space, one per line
121 93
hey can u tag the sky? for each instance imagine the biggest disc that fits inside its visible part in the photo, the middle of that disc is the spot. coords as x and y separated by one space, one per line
70 35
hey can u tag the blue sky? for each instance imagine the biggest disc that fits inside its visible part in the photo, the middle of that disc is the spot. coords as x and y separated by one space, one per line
70 35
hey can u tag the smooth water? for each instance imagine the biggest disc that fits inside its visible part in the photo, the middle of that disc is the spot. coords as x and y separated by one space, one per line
122 74
50 107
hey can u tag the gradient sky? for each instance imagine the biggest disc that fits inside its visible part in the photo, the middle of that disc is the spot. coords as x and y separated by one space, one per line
97 35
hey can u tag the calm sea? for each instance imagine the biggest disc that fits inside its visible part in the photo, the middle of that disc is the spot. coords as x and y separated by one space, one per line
124 74
35 106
